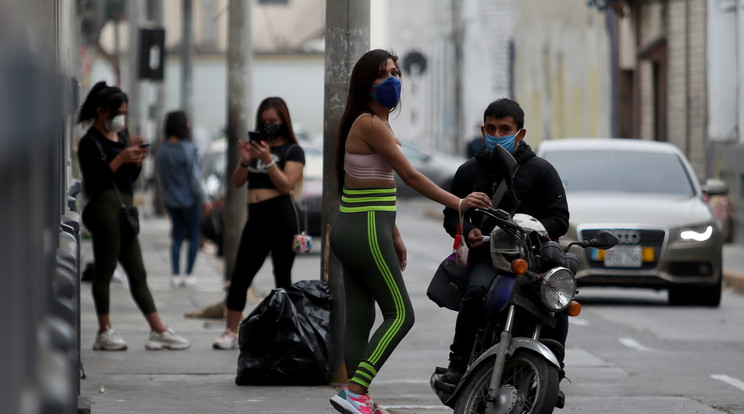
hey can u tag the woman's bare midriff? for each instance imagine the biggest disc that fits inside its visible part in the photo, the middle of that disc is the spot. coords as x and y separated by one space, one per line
261 194
352 182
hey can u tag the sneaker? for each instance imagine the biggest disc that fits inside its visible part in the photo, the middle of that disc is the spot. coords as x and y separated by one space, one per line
190 281
177 281
376 408
227 341
350 403
166 340
109 341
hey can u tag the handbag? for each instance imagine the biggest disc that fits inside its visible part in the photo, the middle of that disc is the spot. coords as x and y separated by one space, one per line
128 215
448 284
301 243
451 277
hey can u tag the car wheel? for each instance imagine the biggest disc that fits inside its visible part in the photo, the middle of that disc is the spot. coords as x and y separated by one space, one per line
701 296
710 295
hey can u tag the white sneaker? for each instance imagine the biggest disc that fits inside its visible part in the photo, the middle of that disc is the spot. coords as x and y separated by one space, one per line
166 340
190 281
177 281
109 341
227 341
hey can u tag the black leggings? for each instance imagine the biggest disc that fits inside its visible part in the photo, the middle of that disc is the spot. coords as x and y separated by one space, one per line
270 228
101 218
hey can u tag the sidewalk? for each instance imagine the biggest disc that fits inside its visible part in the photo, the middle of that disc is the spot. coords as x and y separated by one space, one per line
196 380
200 379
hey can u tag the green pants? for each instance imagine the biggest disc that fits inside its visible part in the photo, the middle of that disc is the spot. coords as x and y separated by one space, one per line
362 239
101 218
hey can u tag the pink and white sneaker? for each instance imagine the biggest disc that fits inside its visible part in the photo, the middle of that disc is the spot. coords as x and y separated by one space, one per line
349 403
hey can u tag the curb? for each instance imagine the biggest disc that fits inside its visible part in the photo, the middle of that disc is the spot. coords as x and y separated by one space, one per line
734 280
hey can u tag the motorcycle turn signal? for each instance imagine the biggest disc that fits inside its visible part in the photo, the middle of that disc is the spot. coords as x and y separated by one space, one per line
519 266
574 308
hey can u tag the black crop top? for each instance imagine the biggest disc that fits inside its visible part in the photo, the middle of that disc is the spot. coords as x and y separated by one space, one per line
258 176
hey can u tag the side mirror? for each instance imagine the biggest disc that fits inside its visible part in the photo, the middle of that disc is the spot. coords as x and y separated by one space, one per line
715 186
504 163
603 240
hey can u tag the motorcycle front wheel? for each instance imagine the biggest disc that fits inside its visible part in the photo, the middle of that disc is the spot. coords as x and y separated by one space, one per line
534 379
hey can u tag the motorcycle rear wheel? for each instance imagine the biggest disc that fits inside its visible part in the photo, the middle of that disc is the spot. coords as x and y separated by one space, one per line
534 378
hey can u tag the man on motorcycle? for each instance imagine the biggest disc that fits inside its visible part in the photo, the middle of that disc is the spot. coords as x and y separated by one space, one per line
540 194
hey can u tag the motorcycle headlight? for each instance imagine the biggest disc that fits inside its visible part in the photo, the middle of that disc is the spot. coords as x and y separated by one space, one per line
558 288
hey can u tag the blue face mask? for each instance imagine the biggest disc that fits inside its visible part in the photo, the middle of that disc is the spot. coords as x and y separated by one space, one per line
506 141
387 93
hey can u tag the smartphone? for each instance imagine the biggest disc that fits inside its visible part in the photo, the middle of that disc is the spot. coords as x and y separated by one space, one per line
254 136
145 145
486 238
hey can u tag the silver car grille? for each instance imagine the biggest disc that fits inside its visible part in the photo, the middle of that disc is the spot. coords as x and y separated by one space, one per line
647 238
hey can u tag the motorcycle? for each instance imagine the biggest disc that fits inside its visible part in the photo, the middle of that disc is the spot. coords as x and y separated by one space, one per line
511 368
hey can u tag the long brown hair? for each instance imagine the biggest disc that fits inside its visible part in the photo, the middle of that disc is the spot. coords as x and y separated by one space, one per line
368 68
281 108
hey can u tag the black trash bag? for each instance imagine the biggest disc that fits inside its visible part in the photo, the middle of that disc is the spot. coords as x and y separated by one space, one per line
285 340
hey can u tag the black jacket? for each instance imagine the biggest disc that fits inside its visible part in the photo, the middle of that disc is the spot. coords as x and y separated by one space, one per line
536 183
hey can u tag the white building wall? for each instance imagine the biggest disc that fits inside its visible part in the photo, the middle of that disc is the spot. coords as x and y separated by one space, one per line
562 74
299 80
723 82
426 26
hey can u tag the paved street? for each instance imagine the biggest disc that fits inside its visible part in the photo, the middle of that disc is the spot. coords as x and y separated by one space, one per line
606 361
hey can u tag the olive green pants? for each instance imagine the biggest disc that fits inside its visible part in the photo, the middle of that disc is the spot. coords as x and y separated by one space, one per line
362 239
110 245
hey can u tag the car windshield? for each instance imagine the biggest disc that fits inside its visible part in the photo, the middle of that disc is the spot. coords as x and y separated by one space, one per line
621 171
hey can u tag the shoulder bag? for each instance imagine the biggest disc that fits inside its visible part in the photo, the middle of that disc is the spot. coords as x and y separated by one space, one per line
128 215
451 277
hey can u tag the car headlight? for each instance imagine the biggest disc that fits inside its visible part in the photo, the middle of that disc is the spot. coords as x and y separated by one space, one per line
558 288
697 233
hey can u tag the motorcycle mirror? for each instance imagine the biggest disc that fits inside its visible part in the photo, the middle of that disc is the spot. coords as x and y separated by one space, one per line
603 240
504 163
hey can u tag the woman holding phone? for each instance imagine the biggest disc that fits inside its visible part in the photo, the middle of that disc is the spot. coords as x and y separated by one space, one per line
271 163
110 163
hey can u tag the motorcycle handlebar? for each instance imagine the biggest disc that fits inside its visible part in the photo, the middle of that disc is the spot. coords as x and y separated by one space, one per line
501 216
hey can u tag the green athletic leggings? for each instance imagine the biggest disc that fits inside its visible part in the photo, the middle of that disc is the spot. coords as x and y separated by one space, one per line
101 218
362 239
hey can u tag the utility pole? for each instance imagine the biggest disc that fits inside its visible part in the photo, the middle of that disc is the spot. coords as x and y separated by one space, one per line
158 17
239 64
134 112
187 58
347 39
457 41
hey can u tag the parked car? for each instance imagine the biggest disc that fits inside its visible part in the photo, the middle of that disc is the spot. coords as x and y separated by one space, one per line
648 195
439 168
308 194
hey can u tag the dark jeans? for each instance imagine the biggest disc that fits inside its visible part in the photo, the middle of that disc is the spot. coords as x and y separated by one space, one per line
184 225
472 313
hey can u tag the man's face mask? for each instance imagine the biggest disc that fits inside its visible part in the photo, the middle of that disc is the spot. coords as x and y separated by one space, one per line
271 131
507 141
388 92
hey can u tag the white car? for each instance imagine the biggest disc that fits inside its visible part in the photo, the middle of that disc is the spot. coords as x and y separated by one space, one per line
648 195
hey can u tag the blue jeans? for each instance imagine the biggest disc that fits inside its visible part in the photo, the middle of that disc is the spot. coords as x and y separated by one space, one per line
184 225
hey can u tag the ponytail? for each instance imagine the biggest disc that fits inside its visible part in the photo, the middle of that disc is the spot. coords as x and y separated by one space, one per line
101 96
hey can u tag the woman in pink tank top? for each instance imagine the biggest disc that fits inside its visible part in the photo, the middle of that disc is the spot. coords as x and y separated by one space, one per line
364 236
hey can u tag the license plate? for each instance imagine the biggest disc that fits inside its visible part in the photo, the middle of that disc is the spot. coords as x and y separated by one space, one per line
623 256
